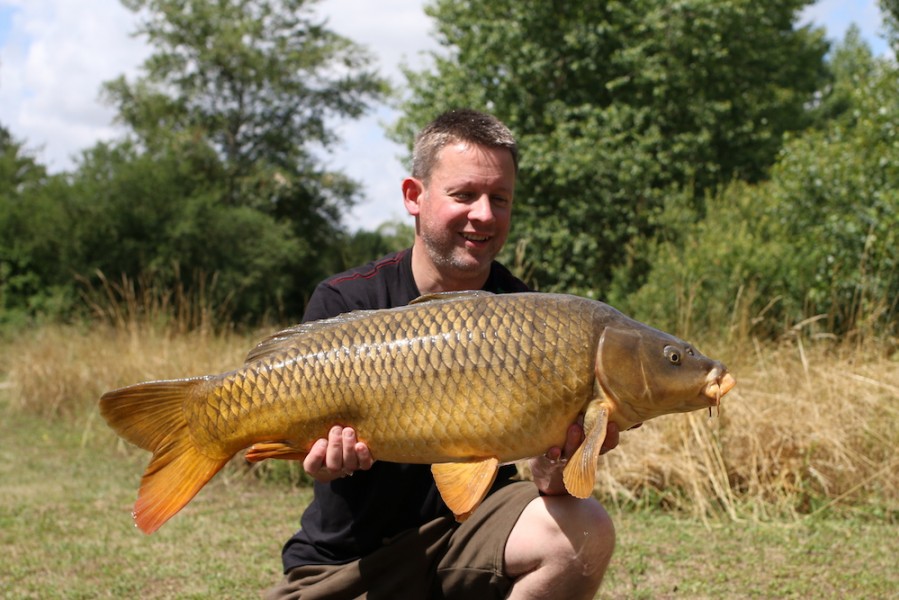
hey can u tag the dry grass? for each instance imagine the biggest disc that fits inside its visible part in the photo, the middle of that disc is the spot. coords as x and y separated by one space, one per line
808 428
139 331
61 370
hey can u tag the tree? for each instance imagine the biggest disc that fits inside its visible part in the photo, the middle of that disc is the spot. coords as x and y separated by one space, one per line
232 115
818 242
32 234
890 10
257 80
617 105
148 215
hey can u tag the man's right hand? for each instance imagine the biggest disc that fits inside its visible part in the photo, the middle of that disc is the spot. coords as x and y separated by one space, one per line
338 456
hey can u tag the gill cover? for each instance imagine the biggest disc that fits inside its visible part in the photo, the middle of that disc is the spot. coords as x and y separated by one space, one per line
646 373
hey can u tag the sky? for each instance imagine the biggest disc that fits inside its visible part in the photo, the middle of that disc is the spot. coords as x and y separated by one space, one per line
55 55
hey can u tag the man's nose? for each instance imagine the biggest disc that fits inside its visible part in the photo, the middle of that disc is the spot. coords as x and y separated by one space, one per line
482 210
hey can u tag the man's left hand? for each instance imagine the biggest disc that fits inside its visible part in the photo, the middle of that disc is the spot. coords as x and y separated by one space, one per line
547 468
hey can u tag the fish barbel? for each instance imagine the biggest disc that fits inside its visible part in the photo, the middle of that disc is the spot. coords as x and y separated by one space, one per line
463 381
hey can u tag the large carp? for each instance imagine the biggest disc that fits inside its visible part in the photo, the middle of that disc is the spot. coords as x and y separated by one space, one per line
463 381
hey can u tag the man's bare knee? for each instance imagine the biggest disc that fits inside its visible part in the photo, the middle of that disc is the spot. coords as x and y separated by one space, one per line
587 530
560 544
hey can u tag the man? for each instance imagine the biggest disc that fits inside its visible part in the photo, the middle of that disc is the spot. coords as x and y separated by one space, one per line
380 529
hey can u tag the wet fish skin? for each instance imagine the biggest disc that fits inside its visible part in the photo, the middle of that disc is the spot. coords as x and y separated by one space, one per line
464 380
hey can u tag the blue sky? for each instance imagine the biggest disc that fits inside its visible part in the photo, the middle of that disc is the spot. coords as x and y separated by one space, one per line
55 54
6 13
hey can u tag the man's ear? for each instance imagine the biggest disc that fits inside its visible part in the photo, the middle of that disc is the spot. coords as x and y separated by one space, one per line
413 190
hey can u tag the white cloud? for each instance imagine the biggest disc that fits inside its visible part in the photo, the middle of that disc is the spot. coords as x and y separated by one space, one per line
51 69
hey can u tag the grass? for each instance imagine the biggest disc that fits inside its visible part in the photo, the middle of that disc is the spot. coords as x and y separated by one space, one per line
66 489
661 555
791 491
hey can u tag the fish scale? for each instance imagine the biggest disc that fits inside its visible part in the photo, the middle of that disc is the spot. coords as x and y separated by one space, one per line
486 352
461 381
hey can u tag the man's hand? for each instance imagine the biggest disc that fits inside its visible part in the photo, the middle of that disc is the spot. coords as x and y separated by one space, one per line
338 456
547 469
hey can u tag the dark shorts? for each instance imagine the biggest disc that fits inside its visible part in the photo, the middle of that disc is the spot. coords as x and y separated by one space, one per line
441 559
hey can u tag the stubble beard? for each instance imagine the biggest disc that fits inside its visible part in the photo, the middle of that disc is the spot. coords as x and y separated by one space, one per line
447 256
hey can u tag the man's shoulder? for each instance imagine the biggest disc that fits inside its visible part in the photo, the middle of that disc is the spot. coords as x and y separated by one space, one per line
384 267
382 283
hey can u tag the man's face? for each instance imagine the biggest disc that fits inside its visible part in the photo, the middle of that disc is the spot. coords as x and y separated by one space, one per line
464 210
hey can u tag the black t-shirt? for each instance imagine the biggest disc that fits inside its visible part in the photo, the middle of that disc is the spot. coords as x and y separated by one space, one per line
353 516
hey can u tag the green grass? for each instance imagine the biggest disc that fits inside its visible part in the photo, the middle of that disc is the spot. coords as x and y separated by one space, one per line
65 524
661 556
66 489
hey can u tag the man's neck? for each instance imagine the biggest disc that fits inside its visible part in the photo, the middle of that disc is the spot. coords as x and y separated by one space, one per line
430 279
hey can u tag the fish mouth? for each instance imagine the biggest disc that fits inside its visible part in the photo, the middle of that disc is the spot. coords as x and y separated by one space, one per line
718 385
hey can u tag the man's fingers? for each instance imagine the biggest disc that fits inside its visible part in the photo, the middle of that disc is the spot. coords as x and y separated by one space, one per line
348 445
338 456
553 454
334 454
573 438
315 460
364 456
611 438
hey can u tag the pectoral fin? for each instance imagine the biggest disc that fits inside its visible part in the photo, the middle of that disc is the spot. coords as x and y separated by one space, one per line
281 450
580 472
464 485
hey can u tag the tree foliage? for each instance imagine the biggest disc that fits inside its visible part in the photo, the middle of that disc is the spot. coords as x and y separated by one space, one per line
697 163
890 10
616 105
33 231
148 215
243 92
221 176
256 80
818 243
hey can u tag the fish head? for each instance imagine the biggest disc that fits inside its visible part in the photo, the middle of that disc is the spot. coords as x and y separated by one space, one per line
646 373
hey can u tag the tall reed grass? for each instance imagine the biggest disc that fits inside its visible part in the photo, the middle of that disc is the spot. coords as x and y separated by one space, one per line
811 425
137 331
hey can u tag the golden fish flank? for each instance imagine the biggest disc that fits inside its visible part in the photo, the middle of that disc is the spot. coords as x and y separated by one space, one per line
463 381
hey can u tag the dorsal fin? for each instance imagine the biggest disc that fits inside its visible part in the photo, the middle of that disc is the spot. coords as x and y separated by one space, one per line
284 339
451 296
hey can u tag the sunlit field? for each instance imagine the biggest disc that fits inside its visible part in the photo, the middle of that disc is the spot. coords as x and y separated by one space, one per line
795 474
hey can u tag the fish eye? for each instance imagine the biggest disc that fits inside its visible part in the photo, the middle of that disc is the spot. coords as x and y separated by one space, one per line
673 355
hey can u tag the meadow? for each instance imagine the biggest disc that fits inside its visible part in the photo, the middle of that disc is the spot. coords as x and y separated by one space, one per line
791 490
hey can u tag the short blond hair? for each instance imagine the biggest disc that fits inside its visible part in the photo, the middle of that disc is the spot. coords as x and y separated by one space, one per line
459 125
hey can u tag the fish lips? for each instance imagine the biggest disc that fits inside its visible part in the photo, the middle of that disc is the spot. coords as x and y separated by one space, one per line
720 382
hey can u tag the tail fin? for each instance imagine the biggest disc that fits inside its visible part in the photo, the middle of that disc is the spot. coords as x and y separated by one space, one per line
150 415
